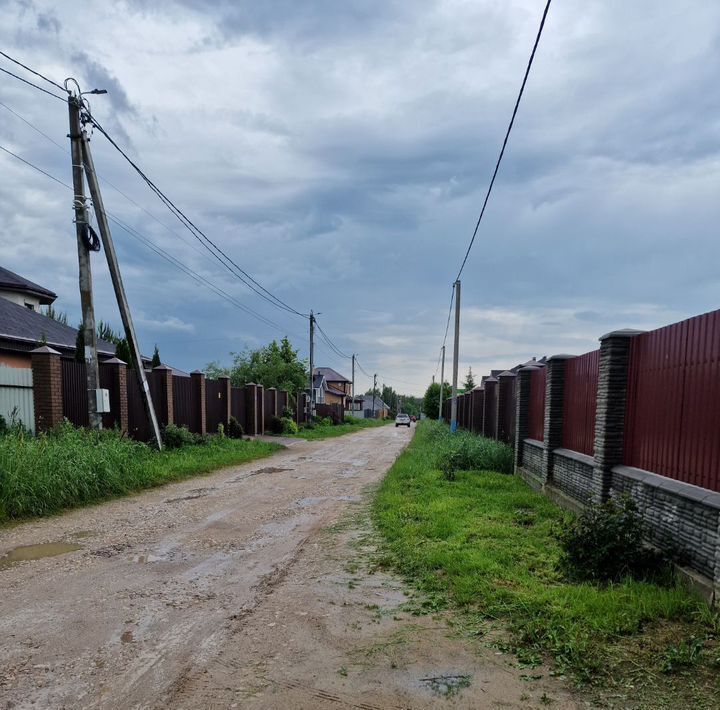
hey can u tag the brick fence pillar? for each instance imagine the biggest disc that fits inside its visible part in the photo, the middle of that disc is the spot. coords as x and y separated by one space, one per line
260 399
522 411
554 401
610 412
163 403
47 387
251 409
197 392
117 370
226 385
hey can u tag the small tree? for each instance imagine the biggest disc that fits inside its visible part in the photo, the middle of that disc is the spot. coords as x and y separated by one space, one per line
469 383
122 351
431 400
80 344
155 362
56 315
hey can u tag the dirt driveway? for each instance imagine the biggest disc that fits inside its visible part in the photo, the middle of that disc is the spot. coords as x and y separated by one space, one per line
246 588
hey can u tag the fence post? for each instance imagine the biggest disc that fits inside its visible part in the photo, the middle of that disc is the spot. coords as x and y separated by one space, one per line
164 405
197 391
227 398
117 369
522 411
554 401
610 412
47 387
260 399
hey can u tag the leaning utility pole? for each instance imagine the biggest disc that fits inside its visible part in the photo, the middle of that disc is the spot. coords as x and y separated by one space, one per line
114 268
456 355
82 227
312 363
374 390
442 381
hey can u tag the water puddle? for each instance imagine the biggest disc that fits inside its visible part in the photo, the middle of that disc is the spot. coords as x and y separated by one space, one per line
26 553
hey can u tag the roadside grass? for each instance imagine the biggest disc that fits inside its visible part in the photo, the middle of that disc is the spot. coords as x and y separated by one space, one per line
71 467
484 543
327 431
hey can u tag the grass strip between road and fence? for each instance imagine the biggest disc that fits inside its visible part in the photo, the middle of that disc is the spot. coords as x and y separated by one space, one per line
486 544
71 467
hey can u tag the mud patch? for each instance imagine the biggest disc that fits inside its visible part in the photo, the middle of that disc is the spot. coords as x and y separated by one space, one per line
111 550
29 553
192 494
272 469
447 685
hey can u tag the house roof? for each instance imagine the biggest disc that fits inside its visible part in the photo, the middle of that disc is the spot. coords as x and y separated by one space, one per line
339 393
27 326
10 281
318 380
331 375
368 402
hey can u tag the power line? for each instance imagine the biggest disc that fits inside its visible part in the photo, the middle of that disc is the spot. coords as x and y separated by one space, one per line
30 83
507 136
161 252
330 344
249 281
32 71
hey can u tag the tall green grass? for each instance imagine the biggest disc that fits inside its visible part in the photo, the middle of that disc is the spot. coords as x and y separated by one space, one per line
486 543
69 467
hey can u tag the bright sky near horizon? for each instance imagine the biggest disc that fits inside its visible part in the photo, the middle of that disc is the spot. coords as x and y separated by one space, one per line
340 152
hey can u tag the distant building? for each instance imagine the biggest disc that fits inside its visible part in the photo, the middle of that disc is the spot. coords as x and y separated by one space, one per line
330 387
361 406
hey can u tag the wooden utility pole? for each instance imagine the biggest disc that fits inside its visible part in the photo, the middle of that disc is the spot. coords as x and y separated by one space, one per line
312 363
456 356
82 226
442 382
123 305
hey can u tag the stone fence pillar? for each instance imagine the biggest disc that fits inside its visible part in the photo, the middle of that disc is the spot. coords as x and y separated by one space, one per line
522 411
224 381
554 403
610 412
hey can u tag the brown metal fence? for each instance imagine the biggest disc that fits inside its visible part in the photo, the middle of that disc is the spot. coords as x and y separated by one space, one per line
182 401
506 411
490 407
215 404
673 406
536 415
580 402
334 411
74 392
237 405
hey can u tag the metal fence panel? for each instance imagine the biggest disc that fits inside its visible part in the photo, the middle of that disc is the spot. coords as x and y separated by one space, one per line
580 402
536 415
74 392
16 396
182 401
215 404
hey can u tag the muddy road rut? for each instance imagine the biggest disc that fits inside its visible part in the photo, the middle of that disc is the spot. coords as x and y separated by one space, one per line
238 589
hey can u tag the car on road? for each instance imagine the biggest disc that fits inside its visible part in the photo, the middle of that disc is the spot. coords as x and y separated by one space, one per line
402 420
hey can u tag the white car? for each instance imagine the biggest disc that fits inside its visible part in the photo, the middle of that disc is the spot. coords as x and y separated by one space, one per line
402 420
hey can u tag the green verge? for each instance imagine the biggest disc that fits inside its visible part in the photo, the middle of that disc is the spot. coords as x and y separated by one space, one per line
71 467
327 432
484 543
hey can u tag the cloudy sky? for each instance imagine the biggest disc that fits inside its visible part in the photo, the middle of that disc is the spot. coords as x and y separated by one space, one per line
339 152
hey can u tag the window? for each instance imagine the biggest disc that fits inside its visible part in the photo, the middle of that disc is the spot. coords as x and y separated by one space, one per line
31 306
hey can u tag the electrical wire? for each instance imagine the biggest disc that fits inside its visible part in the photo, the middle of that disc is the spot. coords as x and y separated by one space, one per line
507 136
32 71
30 83
330 344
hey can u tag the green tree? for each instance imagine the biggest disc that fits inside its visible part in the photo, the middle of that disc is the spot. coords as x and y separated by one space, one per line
105 332
56 315
122 352
275 365
214 369
431 400
156 358
469 383
80 344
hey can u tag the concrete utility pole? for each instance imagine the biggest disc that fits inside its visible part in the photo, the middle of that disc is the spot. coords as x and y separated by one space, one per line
456 356
86 295
374 390
122 301
312 362
442 381
353 383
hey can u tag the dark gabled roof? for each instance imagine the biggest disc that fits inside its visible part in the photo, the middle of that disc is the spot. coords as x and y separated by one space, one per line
11 281
339 393
331 375
25 325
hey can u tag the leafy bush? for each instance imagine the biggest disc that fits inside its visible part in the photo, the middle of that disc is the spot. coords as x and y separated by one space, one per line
234 429
276 425
605 544
463 451
289 425
325 421
288 413
3 425
175 437
353 421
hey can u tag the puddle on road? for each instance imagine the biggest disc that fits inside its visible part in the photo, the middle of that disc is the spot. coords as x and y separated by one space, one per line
26 553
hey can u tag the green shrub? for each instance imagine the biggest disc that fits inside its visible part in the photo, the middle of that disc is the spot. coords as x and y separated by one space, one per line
605 544
175 437
353 421
288 413
276 425
325 421
289 425
234 429
3 425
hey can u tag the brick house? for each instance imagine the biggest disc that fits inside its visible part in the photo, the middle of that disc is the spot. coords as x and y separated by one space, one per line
330 386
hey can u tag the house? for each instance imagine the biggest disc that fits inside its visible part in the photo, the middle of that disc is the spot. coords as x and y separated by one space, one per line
330 386
361 406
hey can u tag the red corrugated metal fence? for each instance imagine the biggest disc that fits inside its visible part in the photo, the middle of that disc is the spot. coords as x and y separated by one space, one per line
580 401
536 415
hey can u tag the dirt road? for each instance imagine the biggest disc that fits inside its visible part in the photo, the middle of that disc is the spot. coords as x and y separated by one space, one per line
238 589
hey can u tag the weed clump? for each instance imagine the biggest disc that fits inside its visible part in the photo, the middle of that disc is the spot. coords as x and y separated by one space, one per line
234 429
289 425
605 544
276 425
